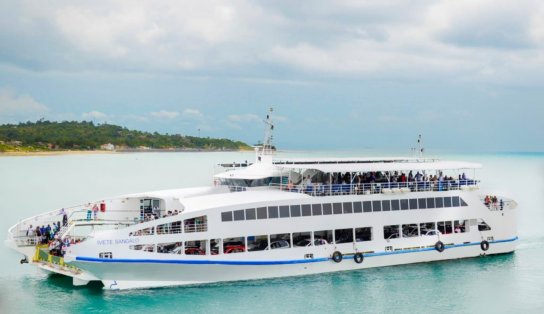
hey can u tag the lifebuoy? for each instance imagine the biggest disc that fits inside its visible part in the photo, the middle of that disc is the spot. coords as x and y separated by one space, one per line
439 246
484 245
358 258
337 256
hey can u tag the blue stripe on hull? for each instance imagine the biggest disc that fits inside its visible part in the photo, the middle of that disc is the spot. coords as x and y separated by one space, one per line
298 261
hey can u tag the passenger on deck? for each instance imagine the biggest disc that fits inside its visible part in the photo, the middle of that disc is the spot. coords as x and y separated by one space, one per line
308 183
95 211
418 176
290 185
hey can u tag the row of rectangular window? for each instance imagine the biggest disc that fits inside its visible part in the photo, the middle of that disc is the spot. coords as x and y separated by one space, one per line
287 211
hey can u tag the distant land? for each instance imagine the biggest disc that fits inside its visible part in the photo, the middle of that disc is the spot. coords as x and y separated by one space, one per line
49 136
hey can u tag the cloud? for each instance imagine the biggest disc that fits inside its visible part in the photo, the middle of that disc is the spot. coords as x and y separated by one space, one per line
14 104
248 117
94 115
163 114
192 114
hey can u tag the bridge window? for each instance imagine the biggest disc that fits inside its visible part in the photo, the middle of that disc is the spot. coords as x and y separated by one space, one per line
226 216
284 211
447 201
430 202
357 207
376 206
413 203
316 209
306 210
386 205
395 204
295 210
455 201
257 243
337 208
404 204
363 234
250 214
463 202
238 215
367 206
272 212
327 209
261 213
439 202
348 207
422 203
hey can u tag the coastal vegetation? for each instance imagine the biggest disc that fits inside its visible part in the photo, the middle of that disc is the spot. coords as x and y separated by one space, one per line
46 135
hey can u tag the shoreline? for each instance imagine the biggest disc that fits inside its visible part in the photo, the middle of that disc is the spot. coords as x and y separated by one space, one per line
104 152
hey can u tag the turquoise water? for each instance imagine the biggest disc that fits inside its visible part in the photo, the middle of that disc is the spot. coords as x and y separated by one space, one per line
512 283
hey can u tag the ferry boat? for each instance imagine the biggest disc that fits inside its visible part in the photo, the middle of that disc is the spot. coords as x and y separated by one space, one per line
275 217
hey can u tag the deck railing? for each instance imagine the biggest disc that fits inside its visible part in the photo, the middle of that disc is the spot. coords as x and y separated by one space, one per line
317 189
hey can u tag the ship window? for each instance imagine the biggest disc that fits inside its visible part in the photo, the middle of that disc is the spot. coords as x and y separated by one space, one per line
261 213
343 236
306 210
195 247
170 248
327 209
426 227
367 206
441 226
170 228
455 201
280 241
238 215
463 203
348 208
404 204
197 224
143 247
316 210
322 237
105 255
391 232
257 243
301 239
395 204
250 214
226 216
272 212
409 231
422 202
386 205
438 202
430 202
215 247
459 226
295 210
143 232
234 245
357 207
449 227
363 234
447 201
482 226
284 211
413 203
337 208
376 206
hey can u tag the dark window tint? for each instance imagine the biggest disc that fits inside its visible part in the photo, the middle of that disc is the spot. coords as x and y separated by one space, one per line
447 201
306 210
238 214
284 211
439 202
327 209
413 203
316 209
337 208
376 206
430 202
348 208
422 202
463 203
273 212
367 206
343 235
295 210
261 213
395 205
250 214
226 216
386 206
455 201
404 204
357 207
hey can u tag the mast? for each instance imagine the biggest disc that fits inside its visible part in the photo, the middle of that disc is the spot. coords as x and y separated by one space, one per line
268 148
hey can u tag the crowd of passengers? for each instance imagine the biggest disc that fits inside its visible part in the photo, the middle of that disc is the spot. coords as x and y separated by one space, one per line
491 201
49 235
359 180
156 214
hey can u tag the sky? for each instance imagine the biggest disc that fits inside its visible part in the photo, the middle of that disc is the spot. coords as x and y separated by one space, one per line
466 74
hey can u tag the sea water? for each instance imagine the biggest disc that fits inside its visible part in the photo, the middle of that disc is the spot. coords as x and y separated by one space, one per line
511 283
